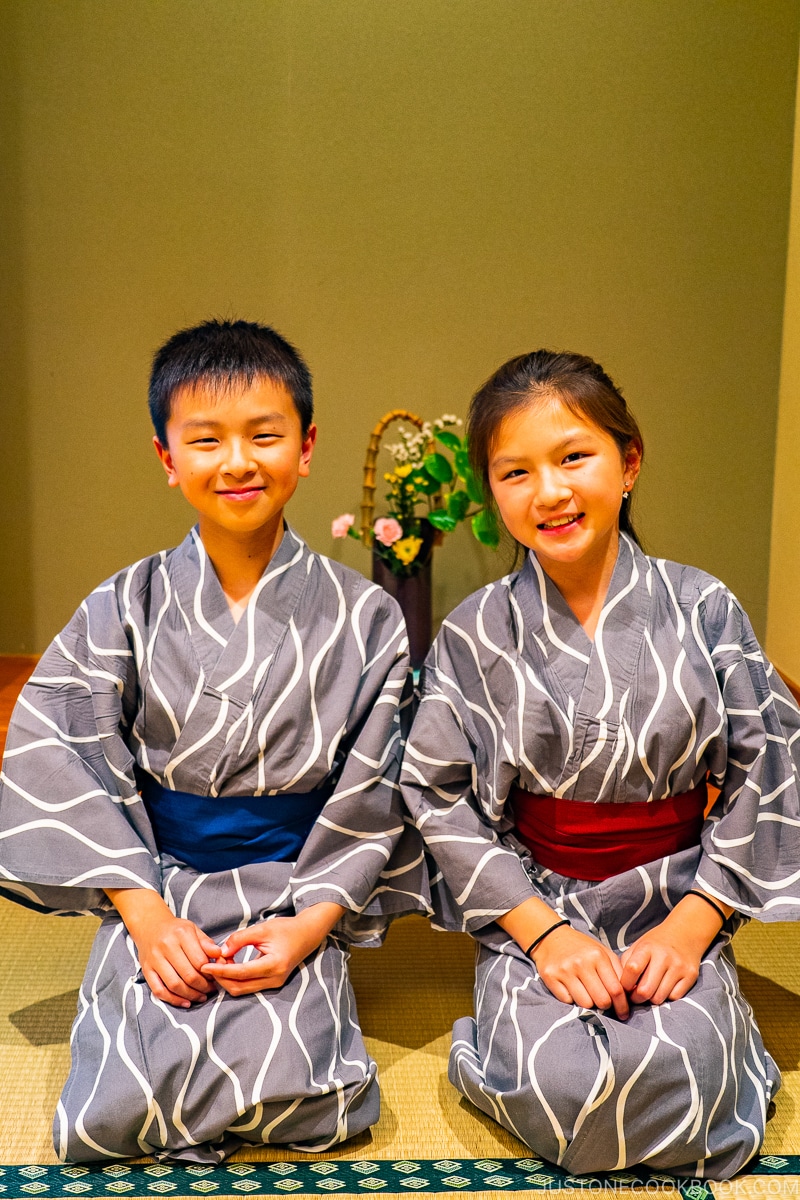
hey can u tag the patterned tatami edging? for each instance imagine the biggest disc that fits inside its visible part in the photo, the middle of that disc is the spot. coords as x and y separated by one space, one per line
349 1178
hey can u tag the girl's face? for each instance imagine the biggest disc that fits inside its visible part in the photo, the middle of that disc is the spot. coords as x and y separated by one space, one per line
558 480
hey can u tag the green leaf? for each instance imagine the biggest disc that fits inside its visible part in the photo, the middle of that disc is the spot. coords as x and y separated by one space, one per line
439 519
474 487
438 466
451 440
458 504
486 529
425 482
462 462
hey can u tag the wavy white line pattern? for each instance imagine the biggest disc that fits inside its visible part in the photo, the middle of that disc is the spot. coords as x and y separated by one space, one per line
310 687
674 688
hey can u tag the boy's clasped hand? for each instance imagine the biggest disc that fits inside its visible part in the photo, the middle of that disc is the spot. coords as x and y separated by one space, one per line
281 944
183 966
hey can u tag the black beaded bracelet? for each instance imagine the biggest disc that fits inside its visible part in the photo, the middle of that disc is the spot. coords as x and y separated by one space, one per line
542 936
708 900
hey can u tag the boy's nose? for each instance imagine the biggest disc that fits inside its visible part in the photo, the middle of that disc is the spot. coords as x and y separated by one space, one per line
238 460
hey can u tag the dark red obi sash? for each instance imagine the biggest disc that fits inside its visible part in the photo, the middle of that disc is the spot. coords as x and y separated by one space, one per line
593 841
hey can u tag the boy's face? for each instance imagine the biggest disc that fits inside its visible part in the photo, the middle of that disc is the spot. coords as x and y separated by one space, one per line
236 456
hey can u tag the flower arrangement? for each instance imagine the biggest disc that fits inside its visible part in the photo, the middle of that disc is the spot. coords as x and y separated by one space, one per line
432 489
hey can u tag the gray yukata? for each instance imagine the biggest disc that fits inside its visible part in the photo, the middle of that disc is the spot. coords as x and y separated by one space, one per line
674 688
309 688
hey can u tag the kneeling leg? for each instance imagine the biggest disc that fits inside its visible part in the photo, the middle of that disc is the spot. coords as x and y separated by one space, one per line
681 1087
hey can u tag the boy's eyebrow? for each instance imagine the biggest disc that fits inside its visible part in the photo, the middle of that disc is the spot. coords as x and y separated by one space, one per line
277 418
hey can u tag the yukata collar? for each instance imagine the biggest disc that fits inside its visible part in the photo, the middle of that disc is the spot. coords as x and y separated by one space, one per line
559 637
227 649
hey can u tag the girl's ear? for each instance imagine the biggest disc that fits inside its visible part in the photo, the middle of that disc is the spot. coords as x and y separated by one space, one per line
632 463
166 462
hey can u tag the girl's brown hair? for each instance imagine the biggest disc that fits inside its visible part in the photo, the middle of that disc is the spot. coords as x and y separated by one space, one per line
579 382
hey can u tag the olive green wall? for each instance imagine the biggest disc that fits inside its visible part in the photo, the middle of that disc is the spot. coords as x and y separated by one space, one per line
783 617
16 593
412 190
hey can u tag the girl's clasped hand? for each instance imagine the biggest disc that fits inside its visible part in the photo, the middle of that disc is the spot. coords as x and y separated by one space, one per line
577 968
661 965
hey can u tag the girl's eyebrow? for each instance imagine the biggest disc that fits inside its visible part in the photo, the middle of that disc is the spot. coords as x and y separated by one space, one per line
568 441
507 458
571 439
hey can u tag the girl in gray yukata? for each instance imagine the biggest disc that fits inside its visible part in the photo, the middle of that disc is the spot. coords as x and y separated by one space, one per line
207 757
571 715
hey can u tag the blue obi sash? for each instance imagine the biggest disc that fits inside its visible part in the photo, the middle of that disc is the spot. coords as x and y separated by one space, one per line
218 833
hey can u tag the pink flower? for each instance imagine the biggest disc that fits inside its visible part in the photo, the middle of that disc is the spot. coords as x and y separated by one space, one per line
340 527
387 530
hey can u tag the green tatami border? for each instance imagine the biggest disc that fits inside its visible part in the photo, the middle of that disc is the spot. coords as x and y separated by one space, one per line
328 1177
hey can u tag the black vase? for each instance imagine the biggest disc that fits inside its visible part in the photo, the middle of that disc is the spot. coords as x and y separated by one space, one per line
413 594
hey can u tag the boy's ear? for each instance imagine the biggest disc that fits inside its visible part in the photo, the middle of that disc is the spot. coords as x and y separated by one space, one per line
306 451
166 462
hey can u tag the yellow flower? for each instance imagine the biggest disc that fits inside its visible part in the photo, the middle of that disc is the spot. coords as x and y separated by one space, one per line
390 478
407 549
406 469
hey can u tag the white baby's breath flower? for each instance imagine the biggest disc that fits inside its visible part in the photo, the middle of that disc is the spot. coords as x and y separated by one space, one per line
413 444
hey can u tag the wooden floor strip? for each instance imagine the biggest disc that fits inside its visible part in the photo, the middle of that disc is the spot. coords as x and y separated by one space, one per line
14 672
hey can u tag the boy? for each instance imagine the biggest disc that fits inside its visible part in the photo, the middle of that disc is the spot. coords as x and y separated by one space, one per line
251 691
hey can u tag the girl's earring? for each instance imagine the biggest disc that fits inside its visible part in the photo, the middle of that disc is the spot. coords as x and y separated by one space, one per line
625 495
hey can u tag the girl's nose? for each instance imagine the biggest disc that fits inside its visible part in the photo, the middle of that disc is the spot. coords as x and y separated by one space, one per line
552 490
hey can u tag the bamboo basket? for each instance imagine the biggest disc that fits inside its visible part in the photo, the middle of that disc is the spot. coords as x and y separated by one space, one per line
370 466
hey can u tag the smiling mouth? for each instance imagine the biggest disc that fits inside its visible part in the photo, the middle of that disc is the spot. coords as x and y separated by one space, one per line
559 523
241 493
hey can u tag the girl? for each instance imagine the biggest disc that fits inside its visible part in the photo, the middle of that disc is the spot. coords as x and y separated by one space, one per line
571 714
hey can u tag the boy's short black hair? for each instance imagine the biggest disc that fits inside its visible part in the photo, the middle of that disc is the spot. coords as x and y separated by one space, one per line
223 355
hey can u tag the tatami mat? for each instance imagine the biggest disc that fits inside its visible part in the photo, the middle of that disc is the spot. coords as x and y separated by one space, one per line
409 993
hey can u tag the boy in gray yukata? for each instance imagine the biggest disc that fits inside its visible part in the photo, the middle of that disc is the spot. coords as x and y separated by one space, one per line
207 757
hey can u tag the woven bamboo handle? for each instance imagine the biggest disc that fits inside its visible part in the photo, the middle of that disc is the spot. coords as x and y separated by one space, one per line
370 462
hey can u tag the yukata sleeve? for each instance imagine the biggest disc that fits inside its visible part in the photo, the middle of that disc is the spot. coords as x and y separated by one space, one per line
71 821
751 839
364 851
455 780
